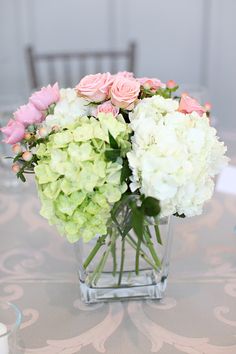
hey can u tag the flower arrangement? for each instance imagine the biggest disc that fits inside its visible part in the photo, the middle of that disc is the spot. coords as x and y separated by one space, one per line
112 137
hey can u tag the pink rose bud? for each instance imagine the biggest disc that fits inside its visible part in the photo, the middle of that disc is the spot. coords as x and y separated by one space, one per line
17 149
27 156
95 87
14 132
106 107
151 84
43 132
15 167
188 105
45 97
124 92
171 84
208 106
27 136
28 114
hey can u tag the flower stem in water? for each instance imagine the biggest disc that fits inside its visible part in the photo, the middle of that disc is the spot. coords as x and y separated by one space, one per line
94 251
122 260
133 244
158 235
113 251
151 246
137 256
97 272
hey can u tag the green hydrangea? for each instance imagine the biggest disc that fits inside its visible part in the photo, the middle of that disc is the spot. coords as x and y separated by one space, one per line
77 185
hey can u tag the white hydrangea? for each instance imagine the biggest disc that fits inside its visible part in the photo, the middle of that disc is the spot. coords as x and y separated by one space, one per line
174 156
67 109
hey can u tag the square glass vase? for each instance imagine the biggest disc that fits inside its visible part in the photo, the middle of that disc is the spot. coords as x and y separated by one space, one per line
113 267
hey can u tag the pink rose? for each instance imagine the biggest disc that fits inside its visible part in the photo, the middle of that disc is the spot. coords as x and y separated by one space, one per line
188 105
127 74
95 87
45 97
14 132
124 92
28 114
151 84
208 106
171 84
106 107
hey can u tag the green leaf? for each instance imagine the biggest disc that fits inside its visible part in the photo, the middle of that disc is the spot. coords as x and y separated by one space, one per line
174 88
50 109
151 206
137 218
112 141
112 154
127 228
158 235
125 172
17 157
21 176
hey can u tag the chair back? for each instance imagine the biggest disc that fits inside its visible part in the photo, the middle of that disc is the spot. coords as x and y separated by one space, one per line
69 68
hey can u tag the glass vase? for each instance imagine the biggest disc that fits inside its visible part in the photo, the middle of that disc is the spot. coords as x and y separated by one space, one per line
10 320
118 267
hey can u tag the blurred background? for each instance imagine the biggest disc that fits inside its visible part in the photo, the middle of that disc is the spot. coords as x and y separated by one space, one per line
189 41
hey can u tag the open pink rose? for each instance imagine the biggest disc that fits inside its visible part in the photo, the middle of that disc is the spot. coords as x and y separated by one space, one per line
95 87
14 132
28 114
188 105
45 97
106 107
124 92
151 83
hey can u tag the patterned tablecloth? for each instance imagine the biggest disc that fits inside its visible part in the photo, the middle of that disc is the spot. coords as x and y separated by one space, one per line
198 315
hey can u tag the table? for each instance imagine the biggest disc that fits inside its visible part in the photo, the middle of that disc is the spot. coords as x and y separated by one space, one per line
198 314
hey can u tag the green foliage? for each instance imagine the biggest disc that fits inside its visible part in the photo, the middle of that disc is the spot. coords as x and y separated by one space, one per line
164 92
151 206
126 171
112 141
140 208
112 154
137 218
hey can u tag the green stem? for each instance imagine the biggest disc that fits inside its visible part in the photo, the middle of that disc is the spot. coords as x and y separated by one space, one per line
101 264
158 235
151 247
94 251
118 226
137 256
156 265
113 251
133 244
122 260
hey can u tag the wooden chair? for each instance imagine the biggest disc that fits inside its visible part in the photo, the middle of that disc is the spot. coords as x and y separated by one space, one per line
69 68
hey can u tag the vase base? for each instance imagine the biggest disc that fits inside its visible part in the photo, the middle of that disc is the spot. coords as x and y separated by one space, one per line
141 292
